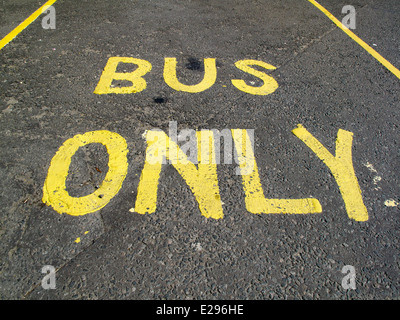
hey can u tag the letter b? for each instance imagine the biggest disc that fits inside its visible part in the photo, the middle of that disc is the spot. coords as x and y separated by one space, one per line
135 77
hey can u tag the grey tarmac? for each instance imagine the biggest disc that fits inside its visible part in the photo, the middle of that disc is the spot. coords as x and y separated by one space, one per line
326 82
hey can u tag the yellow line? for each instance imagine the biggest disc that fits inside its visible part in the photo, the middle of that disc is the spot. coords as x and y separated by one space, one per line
371 51
24 24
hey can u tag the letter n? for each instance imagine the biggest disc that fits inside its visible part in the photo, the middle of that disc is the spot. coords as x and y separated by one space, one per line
203 180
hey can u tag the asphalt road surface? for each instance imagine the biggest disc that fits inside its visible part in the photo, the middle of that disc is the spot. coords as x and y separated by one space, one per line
80 195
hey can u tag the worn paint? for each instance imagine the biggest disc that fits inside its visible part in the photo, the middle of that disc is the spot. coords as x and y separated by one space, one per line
77 240
391 203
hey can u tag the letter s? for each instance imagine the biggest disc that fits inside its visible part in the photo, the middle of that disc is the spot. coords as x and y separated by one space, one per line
270 84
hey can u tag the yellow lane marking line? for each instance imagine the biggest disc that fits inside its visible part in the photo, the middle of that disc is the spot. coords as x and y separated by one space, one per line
24 24
371 51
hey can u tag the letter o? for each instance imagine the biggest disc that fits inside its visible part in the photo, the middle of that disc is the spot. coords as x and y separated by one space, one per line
54 189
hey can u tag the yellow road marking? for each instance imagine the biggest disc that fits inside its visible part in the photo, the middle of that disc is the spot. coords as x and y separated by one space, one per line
77 240
203 180
341 166
270 84
24 24
135 77
54 189
210 75
255 201
371 51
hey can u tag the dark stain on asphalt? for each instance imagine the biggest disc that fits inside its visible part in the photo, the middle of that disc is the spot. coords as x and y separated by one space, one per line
160 100
194 64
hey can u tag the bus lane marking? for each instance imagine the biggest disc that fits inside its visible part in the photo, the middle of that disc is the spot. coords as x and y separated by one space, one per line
201 179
